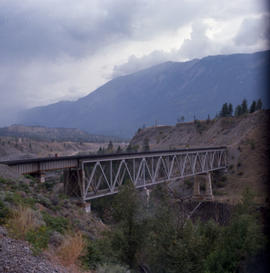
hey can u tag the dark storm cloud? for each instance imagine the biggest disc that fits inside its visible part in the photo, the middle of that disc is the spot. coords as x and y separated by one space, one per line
32 31
46 44
47 29
254 29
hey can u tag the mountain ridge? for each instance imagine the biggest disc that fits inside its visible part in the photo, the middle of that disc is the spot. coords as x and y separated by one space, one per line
160 94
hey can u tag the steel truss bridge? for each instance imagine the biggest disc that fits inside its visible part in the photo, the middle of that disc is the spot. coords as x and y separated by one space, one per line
94 176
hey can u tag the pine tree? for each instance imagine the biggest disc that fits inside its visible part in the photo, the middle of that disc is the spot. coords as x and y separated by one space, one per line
110 147
230 110
253 107
259 104
238 111
119 150
100 150
208 119
225 111
244 107
129 148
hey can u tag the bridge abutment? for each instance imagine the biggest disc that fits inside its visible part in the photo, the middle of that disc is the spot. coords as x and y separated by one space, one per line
208 194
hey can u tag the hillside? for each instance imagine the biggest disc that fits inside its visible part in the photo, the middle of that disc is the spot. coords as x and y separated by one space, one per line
160 94
246 138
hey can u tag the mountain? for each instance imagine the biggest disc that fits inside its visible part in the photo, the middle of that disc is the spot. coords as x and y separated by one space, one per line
57 134
160 94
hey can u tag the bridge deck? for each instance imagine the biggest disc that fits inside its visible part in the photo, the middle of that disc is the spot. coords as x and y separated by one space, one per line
39 165
93 176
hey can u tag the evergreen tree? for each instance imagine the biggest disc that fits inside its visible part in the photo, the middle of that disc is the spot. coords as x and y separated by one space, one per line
129 148
128 236
110 147
230 110
119 150
100 150
253 107
238 111
244 107
259 104
208 119
224 110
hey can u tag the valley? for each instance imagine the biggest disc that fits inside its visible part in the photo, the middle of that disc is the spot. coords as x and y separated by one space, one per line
22 142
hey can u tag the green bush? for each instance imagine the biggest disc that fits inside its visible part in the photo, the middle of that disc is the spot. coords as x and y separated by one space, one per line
3 180
4 213
23 187
112 268
57 223
39 238
48 185
17 199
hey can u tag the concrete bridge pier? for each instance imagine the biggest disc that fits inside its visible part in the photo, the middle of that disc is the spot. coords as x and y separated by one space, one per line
147 192
208 194
40 176
196 188
208 187
87 207
72 185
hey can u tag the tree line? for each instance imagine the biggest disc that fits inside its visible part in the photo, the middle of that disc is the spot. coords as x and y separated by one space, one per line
241 109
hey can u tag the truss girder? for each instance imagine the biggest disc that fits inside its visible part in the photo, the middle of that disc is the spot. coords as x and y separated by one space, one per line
104 176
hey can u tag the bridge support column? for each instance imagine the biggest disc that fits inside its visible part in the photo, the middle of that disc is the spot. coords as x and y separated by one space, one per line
208 187
196 188
42 177
147 192
71 182
87 207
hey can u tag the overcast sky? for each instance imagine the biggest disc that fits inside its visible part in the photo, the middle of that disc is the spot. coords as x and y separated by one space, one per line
53 50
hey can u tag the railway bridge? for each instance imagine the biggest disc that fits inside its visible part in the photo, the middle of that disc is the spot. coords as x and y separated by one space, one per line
93 176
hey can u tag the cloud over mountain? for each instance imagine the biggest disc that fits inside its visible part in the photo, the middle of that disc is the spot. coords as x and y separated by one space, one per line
62 49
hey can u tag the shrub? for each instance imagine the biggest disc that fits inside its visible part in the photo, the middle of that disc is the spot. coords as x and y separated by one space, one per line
4 213
23 187
22 220
112 268
56 223
200 127
39 238
3 180
17 199
71 248
98 252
